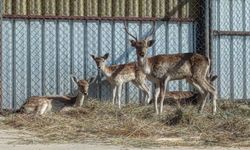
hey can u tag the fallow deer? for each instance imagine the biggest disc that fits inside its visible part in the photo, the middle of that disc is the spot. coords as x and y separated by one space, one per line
40 105
161 69
117 75
183 97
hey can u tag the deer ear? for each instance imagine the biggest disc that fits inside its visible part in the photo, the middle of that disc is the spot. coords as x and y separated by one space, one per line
91 80
151 43
74 79
133 43
213 77
106 56
93 56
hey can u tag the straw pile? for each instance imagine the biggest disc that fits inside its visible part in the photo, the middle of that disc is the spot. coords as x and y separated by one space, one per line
139 126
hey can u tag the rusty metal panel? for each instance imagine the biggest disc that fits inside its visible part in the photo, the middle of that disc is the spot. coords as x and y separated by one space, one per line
63 7
7 7
77 7
145 8
20 7
34 7
91 8
105 8
49 7
132 8
159 8
118 8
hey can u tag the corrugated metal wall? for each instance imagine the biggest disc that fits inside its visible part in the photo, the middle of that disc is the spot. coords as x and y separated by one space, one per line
232 53
39 55
107 8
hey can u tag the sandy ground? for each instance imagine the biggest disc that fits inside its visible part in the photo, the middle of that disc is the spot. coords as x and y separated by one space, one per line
9 141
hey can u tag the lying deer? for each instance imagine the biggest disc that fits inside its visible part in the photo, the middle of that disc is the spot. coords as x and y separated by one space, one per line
183 97
180 97
43 104
161 69
117 75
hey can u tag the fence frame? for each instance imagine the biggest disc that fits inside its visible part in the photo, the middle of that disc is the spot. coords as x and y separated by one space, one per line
1 98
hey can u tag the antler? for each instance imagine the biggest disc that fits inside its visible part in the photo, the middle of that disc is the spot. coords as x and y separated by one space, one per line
126 29
152 31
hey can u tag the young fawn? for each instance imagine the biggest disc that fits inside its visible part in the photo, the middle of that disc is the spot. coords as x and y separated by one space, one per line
183 97
40 105
117 75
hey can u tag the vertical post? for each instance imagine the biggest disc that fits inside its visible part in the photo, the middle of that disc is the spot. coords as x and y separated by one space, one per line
1 96
99 94
207 28
126 60
210 32
203 28
71 52
57 59
13 104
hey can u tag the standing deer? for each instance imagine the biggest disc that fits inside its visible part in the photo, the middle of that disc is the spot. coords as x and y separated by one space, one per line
161 69
117 75
40 105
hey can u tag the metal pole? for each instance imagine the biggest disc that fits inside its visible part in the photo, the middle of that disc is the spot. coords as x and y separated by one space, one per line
210 9
1 94
203 28
207 29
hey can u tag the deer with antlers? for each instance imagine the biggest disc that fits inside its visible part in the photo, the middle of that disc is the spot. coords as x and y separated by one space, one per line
117 75
161 69
40 105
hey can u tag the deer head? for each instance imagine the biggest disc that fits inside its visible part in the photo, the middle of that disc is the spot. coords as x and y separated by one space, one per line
142 45
83 85
100 61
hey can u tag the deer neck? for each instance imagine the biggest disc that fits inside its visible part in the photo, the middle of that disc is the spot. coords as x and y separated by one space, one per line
143 64
107 71
79 99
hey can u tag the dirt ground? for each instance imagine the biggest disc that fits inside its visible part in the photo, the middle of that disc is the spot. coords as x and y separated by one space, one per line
9 140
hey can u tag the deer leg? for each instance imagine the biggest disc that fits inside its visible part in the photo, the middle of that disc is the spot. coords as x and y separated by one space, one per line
202 93
203 103
138 85
163 85
212 91
208 90
42 109
113 94
157 92
81 101
146 93
119 90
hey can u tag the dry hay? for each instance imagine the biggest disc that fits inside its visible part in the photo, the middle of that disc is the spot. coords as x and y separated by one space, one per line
139 126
